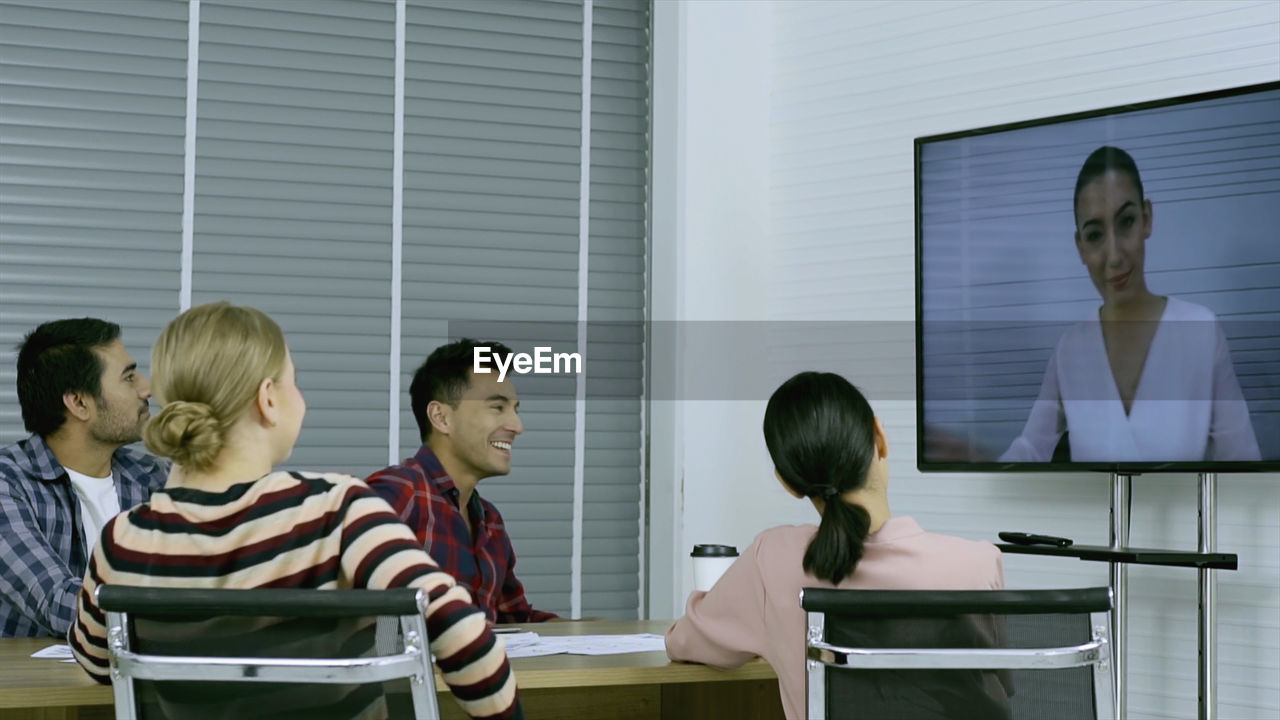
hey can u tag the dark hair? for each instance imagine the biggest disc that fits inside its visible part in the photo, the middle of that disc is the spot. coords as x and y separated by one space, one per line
57 358
1099 162
444 376
821 435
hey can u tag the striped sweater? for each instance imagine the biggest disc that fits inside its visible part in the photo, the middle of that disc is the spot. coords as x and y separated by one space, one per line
293 530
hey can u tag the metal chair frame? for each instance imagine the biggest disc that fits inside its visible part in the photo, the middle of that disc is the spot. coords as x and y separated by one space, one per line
890 603
407 606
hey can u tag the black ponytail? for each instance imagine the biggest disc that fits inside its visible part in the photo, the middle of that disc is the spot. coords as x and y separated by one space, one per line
835 551
821 435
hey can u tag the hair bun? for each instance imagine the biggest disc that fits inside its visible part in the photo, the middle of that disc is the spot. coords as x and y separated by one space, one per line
187 432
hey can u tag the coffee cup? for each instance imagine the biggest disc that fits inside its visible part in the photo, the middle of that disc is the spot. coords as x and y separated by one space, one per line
710 562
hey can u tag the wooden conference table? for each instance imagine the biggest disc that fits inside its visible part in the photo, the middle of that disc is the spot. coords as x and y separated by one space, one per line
604 687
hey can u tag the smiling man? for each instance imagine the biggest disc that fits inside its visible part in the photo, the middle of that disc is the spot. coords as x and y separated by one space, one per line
82 400
468 422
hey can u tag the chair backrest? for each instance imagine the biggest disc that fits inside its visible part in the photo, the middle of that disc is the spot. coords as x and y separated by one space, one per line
958 654
195 654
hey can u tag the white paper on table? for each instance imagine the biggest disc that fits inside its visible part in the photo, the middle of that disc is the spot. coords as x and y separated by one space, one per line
586 645
55 652
518 642
518 639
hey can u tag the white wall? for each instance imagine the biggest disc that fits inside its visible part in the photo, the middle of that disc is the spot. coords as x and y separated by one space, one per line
710 255
827 233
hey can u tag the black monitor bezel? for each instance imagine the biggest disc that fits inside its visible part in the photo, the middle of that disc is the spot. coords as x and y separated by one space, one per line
1128 468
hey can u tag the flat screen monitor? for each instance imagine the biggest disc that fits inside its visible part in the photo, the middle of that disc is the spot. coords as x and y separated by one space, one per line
1101 291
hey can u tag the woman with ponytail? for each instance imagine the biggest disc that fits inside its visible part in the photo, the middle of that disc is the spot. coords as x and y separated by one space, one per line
231 411
828 447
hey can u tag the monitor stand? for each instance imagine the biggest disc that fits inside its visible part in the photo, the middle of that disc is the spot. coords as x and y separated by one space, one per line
1206 559
1207 673
1121 505
1207 608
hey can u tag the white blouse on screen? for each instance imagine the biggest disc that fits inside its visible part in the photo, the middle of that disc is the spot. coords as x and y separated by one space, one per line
1187 408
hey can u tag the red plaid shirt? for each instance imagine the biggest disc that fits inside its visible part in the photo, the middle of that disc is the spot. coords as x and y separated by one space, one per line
425 498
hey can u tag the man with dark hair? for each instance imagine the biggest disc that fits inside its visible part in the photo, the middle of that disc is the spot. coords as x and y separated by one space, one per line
82 400
468 422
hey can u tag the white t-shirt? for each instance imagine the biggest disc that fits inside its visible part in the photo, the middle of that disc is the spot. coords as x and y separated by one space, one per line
98 503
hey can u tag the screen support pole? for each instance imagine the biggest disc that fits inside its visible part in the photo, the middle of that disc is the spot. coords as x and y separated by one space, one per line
1208 666
1121 486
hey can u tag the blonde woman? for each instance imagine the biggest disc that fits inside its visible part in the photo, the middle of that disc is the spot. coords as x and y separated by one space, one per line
231 412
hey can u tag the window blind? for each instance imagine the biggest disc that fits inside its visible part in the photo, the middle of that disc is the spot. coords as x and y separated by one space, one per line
492 145
294 153
293 201
91 129
616 308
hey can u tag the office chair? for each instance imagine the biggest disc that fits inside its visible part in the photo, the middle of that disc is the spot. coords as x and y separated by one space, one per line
958 654
195 654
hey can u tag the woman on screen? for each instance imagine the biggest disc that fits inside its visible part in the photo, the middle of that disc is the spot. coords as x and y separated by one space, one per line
226 519
1151 379
829 448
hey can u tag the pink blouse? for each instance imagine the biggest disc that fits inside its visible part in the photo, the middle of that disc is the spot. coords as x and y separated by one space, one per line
754 609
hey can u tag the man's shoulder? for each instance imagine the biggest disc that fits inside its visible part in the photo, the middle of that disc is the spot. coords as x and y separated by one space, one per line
22 459
408 471
141 467
15 452
405 486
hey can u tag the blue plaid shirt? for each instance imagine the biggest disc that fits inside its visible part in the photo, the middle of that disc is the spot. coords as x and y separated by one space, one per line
42 546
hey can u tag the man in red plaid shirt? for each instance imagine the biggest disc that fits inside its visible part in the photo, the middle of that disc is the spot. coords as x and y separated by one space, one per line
468 423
